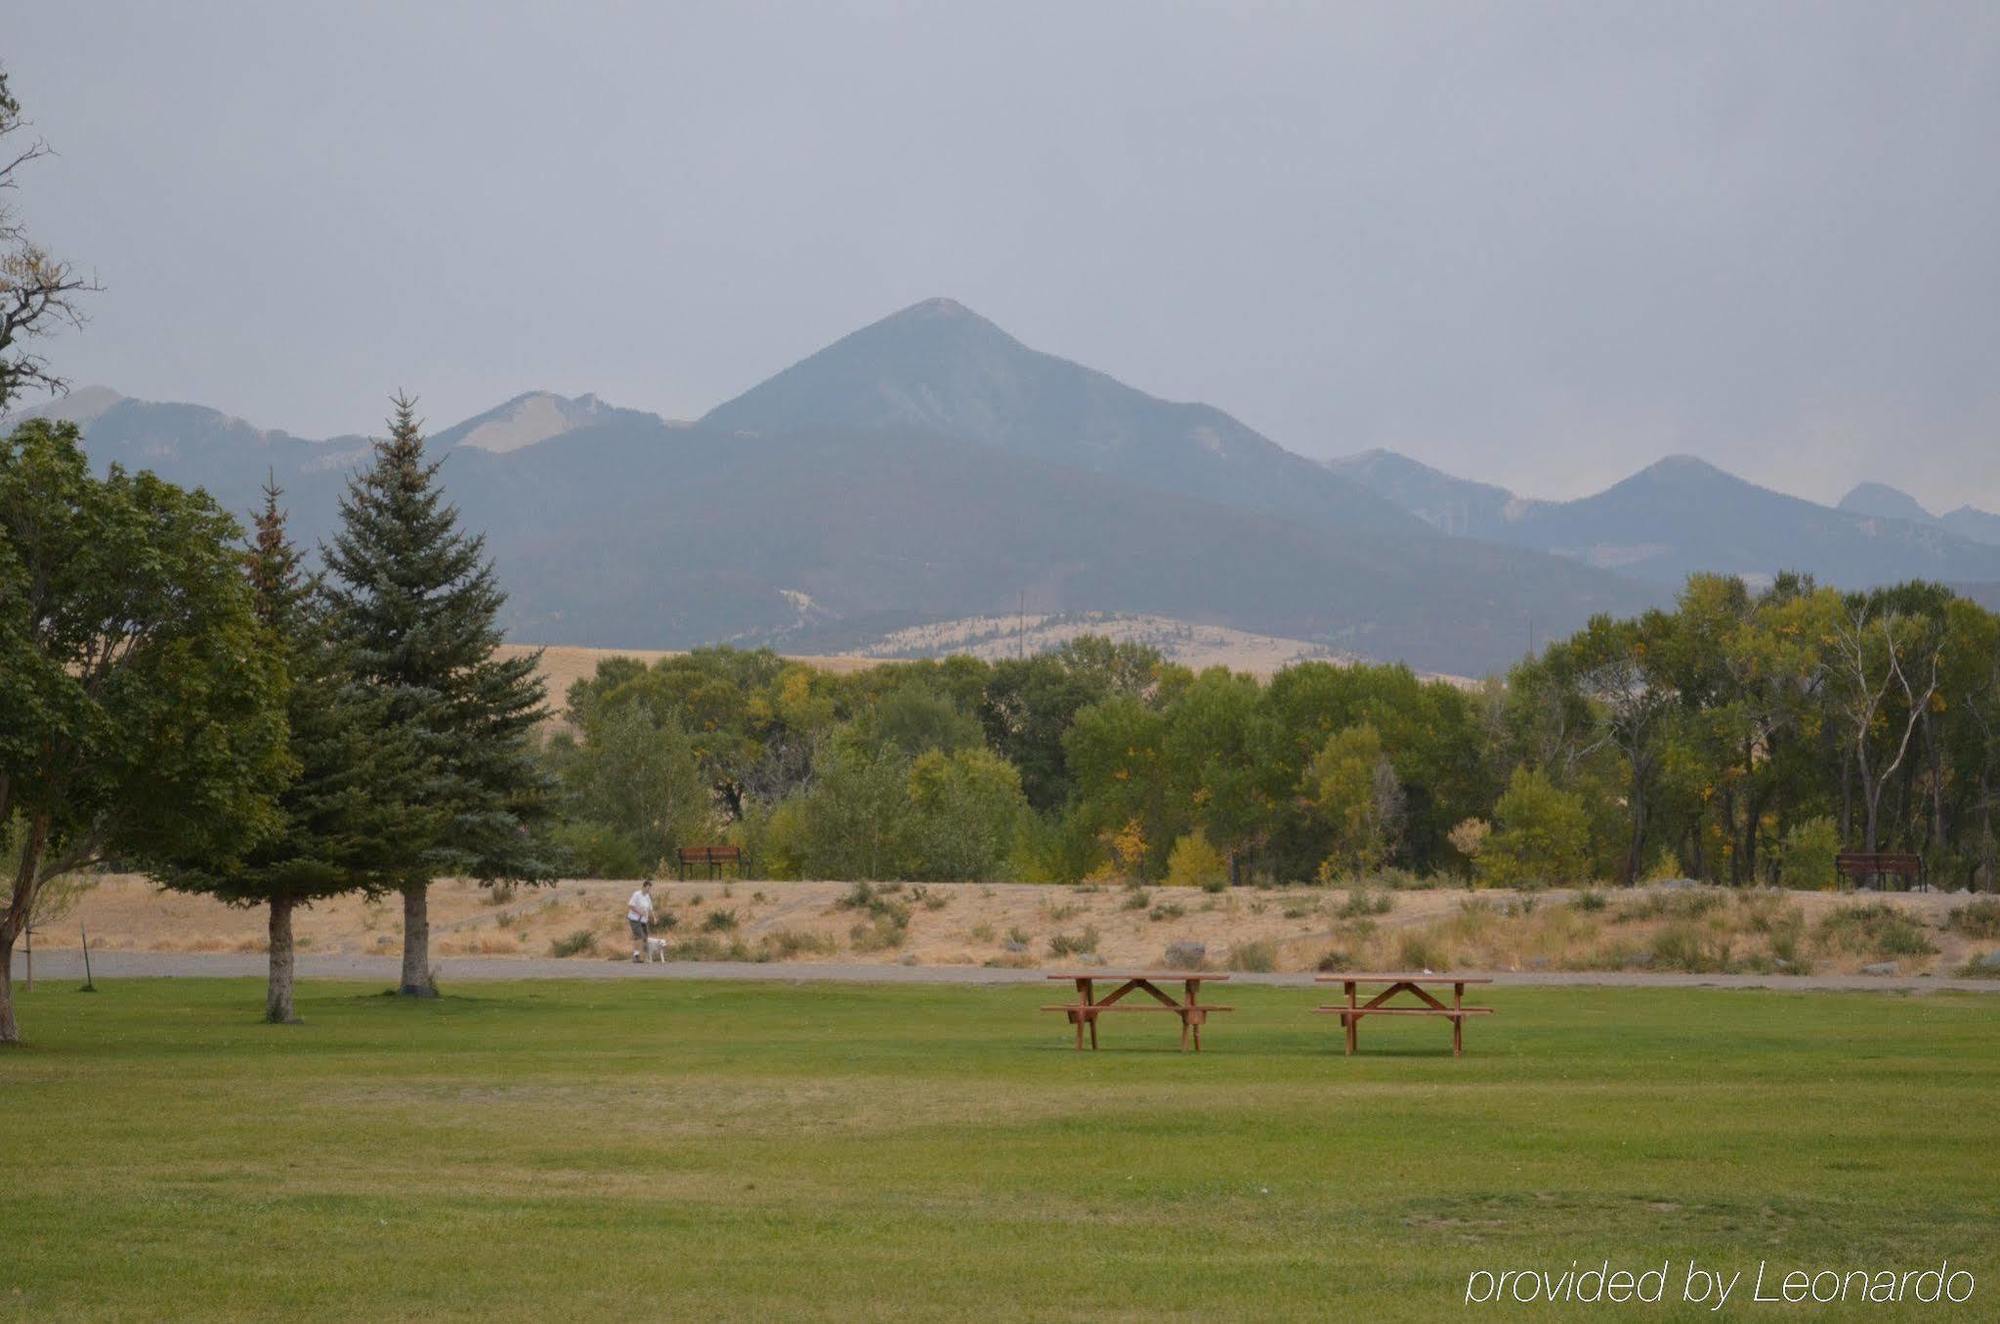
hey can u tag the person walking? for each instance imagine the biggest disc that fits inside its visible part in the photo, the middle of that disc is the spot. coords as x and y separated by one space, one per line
639 914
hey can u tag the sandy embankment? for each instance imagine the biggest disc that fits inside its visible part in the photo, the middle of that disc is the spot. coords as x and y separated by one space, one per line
1018 924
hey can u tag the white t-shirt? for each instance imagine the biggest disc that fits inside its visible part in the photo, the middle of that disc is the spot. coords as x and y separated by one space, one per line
640 907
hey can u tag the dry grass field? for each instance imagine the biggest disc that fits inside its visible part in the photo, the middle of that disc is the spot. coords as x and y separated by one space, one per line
1706 930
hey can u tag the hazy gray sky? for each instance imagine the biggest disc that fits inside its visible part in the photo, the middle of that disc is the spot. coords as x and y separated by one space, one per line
1537 244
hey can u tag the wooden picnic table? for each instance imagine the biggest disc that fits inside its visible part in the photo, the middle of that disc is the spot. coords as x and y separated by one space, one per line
1088 1007
1351 1011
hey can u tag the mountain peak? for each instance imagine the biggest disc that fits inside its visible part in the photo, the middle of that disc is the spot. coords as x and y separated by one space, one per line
1879 499
1683 466
939 370
935 307
528 418
80 406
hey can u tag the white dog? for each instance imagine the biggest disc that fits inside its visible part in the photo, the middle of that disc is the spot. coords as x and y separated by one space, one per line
656 950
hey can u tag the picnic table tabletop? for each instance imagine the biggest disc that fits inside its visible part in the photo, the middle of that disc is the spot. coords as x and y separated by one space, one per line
1418 978
1199 976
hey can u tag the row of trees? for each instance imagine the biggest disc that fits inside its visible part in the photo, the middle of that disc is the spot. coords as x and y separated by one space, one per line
1739 737
212 713
174 701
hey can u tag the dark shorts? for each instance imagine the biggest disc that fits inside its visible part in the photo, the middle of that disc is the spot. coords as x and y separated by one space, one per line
638 928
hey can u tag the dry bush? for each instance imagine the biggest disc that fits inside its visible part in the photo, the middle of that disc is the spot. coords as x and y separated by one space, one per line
1876 929
1976 919
582 942
784 944
1258 957
1073 944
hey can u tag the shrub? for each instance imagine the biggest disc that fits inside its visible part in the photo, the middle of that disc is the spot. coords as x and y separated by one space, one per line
1787 947
1666 865
1590 901
1135 899
1073 944
884 932
1422 951
1679 903
1185 956
1683 945
1877 929
1543 835
980 933
580 943
1805 859
1057 914
784 944
500 893
1334 962
1193 862
1364 901
1260 957
877 901
708 947
1166 910
1018 936
719 921
1977 919
1469 837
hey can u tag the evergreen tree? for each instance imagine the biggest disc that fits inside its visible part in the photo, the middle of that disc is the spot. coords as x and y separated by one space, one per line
417 601
345 813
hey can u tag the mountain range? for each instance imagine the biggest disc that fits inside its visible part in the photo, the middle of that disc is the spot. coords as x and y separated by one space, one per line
930 467
1682 514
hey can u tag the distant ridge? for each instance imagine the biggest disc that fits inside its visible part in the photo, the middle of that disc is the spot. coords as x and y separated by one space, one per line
1682 514
1456 506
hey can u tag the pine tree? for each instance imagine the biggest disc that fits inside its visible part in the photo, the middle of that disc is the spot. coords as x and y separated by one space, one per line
418 602
344 813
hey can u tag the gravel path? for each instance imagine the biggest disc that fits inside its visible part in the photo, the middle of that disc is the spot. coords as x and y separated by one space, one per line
67 964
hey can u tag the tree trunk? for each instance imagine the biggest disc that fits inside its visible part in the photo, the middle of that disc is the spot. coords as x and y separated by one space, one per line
10 1029
417 942
14 919
1635 846
278 996
1986 878
1846 799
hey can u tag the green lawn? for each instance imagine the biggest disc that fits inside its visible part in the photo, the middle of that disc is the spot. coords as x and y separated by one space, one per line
653 1149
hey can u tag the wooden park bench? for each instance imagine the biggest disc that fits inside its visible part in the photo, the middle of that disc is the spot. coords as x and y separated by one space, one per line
1351 1011
1878 864
1088 1007
712 856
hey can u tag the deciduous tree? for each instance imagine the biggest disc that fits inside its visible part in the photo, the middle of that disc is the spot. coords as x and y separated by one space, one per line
141 702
